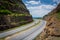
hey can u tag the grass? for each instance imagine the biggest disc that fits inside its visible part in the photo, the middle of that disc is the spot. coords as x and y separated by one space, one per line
2 39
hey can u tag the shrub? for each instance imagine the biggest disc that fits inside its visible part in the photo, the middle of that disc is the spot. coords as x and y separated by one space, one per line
17 4
58 15
5 12
2 7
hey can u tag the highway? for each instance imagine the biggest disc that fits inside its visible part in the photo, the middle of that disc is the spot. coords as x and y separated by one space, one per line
37 32
28 34
13 31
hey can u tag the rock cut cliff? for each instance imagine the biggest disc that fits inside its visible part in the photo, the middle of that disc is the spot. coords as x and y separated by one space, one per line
13 13
52 30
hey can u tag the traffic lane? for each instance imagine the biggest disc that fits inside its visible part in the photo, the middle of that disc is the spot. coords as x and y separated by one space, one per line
37 32
24 34
4 34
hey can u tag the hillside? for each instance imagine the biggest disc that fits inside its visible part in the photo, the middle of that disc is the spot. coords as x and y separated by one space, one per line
52 30
13 13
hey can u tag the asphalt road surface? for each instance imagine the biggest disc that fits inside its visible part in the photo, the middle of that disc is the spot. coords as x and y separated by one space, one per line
30 33
13 31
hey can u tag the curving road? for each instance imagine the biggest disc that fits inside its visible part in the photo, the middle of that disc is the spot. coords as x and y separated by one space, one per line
30 33
38 31
13 31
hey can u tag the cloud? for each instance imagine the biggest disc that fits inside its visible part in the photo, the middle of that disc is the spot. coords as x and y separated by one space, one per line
33 2
40 11
26 4
42 6
57 1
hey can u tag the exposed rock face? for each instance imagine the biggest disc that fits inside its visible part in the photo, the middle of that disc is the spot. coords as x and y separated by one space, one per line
52 30
13 13
14 6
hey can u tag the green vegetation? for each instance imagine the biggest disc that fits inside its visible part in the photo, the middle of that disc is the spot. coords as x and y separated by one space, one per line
19 14
5 12
37 17
13 13
7 4
17 4
58 15
2 7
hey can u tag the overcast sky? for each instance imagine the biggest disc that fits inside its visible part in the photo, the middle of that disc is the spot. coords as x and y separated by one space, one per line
39 8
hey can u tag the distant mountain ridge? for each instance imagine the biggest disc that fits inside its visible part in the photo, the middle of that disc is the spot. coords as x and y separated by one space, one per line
13 13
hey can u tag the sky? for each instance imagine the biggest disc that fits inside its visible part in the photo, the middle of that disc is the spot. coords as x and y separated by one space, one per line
39 8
